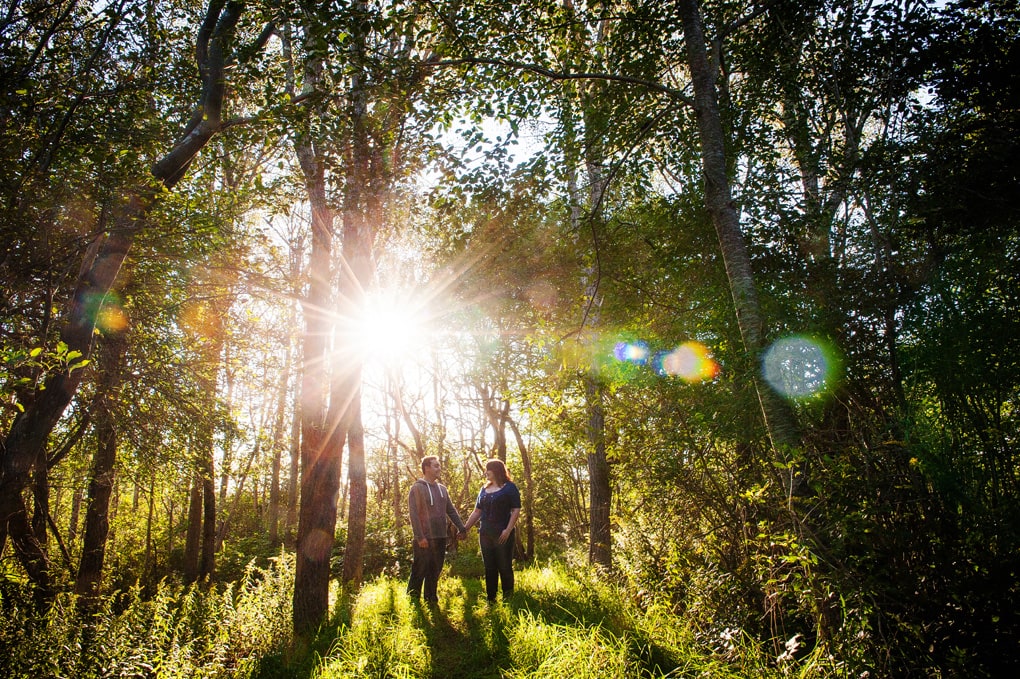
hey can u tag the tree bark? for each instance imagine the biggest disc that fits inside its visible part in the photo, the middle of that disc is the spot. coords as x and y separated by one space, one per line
320 455
97 525
193 538
529 493
780 421
273 518
600 545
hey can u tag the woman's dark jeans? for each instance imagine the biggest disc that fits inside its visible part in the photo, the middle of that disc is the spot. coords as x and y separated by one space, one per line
499 564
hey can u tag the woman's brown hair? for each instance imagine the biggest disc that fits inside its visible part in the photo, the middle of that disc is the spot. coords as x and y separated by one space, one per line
499 470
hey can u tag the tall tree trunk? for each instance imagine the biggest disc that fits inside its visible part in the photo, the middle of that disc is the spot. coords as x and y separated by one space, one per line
357 509
529 493
278 439
72 524
207 564
779 418
362 214
150 552
97 525
193 537
29 433
320 456
294 469
600 551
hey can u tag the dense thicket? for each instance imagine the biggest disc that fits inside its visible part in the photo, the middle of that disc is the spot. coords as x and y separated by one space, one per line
741 319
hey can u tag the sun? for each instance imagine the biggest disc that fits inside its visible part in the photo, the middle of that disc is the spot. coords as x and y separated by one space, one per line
391 329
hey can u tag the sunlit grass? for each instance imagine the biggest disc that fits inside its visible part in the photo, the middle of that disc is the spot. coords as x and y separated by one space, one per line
562 622
384 640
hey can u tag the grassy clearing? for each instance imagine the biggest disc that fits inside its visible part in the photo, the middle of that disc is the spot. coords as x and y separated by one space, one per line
561 624
558 625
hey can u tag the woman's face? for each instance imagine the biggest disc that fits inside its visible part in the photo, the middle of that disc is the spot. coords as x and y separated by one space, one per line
490 475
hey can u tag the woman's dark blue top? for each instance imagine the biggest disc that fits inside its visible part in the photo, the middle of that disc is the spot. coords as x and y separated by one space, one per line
496 507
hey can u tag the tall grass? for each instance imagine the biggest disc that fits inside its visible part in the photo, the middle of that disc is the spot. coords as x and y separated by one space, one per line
563 621
177 632
384 639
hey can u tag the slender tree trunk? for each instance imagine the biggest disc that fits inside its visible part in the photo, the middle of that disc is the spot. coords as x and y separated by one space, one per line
72 524
278 438
235 506
41 498
362 211
354 555
779 419
529 493
207 564
150 552
294 469
600 550
97 525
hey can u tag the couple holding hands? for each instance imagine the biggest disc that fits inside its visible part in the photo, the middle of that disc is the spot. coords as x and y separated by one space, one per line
496 511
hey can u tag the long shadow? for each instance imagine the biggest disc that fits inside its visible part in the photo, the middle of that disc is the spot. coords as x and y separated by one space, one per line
476 648
565 610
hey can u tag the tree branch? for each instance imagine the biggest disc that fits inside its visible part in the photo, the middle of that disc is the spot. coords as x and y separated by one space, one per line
565 75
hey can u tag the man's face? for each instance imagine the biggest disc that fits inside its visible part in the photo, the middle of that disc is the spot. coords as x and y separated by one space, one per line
433 470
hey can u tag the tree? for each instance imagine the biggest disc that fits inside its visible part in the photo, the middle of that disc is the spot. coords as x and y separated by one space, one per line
27 436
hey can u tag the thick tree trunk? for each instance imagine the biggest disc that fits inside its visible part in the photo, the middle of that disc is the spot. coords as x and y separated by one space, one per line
193 538
207 564
354 554
320 456
97 525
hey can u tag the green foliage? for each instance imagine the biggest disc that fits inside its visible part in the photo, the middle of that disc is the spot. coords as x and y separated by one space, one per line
178 632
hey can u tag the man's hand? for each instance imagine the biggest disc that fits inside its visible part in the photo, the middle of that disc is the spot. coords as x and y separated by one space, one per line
423 543
462 534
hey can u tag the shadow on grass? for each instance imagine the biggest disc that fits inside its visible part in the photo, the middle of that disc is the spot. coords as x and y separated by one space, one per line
466 641
587 612
303 657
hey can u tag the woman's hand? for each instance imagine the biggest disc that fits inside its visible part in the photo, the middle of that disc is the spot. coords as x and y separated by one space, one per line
504 535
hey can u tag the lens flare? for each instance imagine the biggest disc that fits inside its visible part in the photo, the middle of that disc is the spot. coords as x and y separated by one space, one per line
799 367
631 352
691 361
111 319
106 313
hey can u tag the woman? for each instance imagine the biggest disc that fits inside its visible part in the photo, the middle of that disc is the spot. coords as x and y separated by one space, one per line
497 507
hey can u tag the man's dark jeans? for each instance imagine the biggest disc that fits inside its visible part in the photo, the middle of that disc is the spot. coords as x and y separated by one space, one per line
428 563
499 565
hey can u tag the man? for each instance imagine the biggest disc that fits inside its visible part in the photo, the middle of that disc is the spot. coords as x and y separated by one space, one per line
429 504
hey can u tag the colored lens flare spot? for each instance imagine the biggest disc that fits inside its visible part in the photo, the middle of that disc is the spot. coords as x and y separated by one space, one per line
691 361
112 319
631 352
798 366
